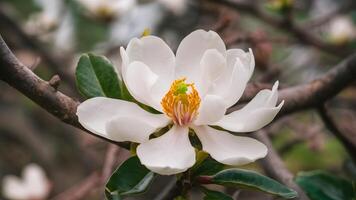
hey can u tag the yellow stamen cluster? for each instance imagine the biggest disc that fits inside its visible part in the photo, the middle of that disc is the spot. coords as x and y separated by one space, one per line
181 102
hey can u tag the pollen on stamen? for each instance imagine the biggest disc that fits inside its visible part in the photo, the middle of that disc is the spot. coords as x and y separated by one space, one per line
181 103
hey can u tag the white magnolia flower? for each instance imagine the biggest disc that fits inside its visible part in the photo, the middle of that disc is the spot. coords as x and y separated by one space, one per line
107 8
47 19
192 90
342 30
33 184
178 7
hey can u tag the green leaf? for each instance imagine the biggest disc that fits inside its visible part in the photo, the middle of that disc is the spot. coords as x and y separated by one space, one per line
208 167
96 76
214 195
130 178
252 180
321 185
179 198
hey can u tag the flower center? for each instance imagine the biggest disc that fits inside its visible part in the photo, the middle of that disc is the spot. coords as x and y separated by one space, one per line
181 102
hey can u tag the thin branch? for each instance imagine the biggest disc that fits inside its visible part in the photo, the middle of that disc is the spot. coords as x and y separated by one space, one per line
53 62
347 139
41 92
344 8
285 24
81 190
274 166
110 161
312 94
170 191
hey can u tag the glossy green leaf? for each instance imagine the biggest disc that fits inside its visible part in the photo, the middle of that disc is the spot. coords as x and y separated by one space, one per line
252 180
208 167
179 198
130 178
215 195
96 76
320 185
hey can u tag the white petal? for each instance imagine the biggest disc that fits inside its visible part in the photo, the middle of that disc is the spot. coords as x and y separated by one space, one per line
222 84
191 51
211 110
14 188
36 181
125 61
158 87
237 85
247 59
153 52
130 128
139 82
243 69
168 154
94 113
229 149
212 64
256 114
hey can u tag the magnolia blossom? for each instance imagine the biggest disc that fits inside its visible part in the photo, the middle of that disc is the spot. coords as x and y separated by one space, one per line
342 30
107 8
33 185
178 7
47 19
192 91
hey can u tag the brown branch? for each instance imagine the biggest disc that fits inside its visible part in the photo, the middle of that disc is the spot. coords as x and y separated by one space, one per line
312 94
41 92
81 190
274 166
285 24
111 159
344 8
347 139
53 62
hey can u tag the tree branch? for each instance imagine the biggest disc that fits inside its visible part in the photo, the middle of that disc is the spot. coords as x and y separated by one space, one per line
274 166
311 94
41 92
345 138
285 24
53 62
81 190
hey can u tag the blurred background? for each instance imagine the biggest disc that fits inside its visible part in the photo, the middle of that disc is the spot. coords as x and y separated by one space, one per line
50 35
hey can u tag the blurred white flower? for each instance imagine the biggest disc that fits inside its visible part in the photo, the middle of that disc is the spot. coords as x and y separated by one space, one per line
342 30
176 6
64 35
134 22
47 19
107 8
193 89
33 185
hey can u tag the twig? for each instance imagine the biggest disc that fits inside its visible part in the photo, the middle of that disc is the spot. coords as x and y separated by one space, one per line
274 166
34 44
81 190
325 18
110 160
312 94
285 24
23 79
169 192
344 137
